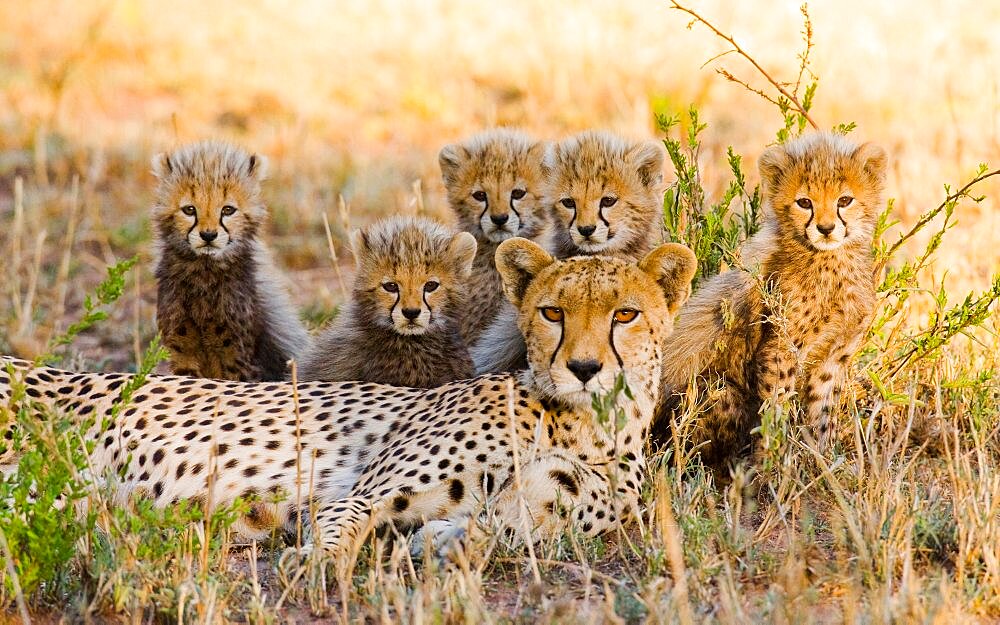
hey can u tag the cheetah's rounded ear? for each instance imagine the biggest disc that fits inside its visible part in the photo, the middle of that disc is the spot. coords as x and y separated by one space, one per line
519 261
257 167
360 247
772 166
451 157
462 250
539 153
162 167
672 266
647 158
873 160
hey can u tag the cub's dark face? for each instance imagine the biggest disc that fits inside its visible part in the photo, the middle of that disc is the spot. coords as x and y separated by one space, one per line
205 209
825 190
585 320
408 291
495 184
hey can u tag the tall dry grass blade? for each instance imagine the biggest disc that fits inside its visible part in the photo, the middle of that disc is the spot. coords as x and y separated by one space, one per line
14 260
62 275
518 492
333 256
670 532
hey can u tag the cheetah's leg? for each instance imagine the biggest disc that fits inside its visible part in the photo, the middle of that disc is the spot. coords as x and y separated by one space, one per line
340 526
823 388
777 365
555 488
724 430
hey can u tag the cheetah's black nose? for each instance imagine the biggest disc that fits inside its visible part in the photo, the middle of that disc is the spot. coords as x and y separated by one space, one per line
586 230
208 235
499 219
411 313
584 369
824 229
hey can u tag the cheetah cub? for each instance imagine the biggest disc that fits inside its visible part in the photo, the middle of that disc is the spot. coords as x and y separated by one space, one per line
792 317
222 308
401 327
605 197
495 182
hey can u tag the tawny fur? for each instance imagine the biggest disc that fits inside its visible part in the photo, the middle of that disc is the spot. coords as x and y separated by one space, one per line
342 457
222 308
605 197
791 317
496 187
372 340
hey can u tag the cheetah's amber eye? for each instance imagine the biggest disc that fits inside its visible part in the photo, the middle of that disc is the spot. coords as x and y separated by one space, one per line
551 313
431 286
517 194
188 210
844 201
569 202
626 315
479 196
805 203
608 201
391 287
228 210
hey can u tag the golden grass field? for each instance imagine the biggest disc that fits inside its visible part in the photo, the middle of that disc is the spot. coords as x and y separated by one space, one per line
354 99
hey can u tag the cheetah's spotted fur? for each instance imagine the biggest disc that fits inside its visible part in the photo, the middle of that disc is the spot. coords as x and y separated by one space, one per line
376 453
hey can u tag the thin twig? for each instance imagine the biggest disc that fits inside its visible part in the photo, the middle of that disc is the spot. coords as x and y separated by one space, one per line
963 192
792 98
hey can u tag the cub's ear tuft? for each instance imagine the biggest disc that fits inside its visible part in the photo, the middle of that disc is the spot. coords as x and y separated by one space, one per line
162 167
451 158
519 261
672 266
360 247
647 159
257 167
462 251
539 153
773 164
873 161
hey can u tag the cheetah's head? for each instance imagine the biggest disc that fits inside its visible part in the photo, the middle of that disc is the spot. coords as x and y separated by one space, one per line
605 192
208 199
586 319
410 273
495 184
824 189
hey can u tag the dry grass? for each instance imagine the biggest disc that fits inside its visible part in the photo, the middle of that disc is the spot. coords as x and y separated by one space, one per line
354 99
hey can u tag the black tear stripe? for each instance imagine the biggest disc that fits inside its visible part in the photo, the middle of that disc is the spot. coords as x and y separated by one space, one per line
223 225
562 333
573 220
600 215
841 218
486 207
193 226
614 350
514 210
430 312
805 230
392 309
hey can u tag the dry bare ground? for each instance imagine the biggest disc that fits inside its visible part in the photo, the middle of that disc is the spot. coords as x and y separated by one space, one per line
353 99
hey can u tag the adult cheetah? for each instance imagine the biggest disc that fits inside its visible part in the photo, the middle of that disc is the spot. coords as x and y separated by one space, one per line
375 453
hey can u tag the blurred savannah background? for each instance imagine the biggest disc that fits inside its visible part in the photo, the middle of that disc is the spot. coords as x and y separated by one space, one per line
351 101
